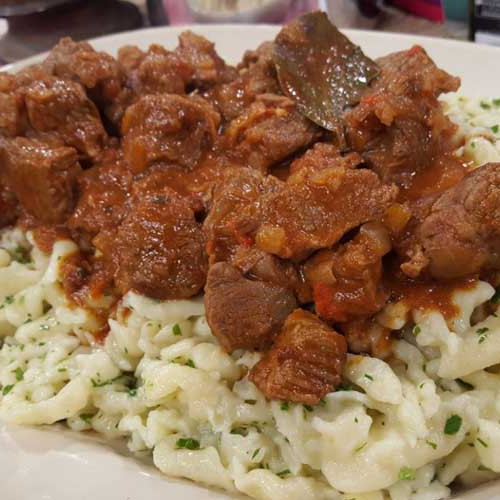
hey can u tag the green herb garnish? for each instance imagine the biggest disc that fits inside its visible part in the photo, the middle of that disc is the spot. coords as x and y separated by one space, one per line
453 425
407 474
188 444
176 329
19 374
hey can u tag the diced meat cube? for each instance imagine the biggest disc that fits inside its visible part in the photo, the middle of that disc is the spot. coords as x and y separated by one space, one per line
346 281
98 72
366 336
158 250
62 109
399 125
13 119
316 213
237 189
42 176
200 54
269 131
457 233
256 75
305 362
9 206
168 128
103 193
245 313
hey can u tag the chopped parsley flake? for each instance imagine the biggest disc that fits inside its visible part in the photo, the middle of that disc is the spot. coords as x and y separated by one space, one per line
240 431
188 444
309 408
9 299
285 406
360 447
482 442
407 474
132 393
344 387
21 347
19 374
190 363
250 401
453 425
416 330
495 128
322 402
483 334
485 105
176 329
431 444
368 376
496 102
86 417
254 454
283 473
61 369
7 389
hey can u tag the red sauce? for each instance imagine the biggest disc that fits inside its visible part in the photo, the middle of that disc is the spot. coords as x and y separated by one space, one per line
443 173
425 295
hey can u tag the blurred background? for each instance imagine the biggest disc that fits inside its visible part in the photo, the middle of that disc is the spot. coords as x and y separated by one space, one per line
28 27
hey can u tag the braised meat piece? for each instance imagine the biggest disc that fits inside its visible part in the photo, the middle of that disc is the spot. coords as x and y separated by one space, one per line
366 336
399 126
322 155
199 53
256 76
42 176
9 207
98 72
317 212
168 128
13 119
157 71
246 312
269 131
305 362
238 189
346 281
456 233
158 249
61 108
103 193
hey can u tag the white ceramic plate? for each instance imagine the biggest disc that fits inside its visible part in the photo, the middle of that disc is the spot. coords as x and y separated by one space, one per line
56 464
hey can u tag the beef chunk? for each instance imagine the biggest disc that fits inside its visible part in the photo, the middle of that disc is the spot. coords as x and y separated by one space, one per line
199 53
399 126
317 212
245 313
157 71
456 233
98 72
42 176
256 76
168 128
61 109
346 281
103 193
305 362
269 131
225 228
13 119
9 207
366 336
158 250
